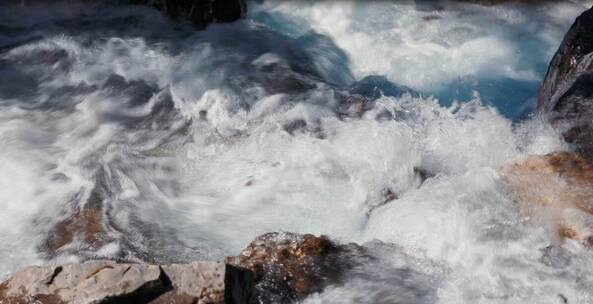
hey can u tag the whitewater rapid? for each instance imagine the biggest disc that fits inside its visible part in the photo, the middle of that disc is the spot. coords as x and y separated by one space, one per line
202 140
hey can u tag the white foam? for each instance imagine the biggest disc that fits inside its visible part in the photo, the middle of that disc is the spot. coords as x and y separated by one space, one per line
237 172
429 49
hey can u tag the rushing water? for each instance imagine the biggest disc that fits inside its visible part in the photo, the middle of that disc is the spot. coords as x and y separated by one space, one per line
200 141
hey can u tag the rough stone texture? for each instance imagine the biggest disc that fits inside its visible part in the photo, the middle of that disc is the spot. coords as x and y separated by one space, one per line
200 280
557 188
90 282
200 12
566 95
110 282
275 268
289 266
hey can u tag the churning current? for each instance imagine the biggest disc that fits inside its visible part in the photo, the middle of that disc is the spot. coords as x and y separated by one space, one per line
199 141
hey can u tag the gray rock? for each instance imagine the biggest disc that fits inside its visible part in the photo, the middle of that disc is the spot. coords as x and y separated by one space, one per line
572 59
110 282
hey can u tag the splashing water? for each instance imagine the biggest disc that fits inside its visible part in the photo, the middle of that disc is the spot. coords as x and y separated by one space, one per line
200 141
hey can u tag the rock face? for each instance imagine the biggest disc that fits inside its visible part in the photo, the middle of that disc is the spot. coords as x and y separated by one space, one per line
274 268
566 95
110 282
289 266
200 12
558 190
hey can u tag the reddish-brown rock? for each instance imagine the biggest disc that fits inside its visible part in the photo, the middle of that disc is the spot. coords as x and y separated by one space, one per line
556 188
289 266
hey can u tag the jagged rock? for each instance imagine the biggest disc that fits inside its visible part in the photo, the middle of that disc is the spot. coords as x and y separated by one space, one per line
200 12
289 266
557 188
566 95
110 282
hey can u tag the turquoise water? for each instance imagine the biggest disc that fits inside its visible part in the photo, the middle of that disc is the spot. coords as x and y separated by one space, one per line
452 52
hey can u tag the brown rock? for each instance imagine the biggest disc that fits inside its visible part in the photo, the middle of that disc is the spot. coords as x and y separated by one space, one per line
557 187
81 229
289 266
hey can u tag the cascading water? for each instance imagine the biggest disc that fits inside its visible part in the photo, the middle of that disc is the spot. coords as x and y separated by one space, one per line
198 141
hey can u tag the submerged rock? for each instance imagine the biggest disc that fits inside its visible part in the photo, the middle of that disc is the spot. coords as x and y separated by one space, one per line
556 188
81 230
566 95
289 266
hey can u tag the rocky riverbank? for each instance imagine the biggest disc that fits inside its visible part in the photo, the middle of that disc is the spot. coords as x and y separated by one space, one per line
274 268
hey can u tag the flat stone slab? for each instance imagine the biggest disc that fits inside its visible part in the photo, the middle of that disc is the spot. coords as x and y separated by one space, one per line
110 282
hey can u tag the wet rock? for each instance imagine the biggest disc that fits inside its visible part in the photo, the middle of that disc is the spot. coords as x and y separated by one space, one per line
386 196
110 282
288 266
200 12
566 95
81 230
556 188
274 268
376 86
555 256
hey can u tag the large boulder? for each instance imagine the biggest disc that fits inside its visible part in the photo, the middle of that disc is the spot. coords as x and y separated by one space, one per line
566 95
289 266
111 282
